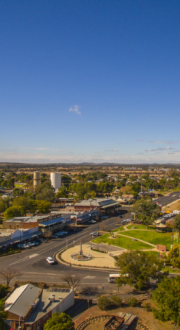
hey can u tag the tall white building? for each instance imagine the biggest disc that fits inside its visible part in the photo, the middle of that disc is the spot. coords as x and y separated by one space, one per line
55 180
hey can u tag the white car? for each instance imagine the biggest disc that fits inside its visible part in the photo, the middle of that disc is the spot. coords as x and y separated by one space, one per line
92 221
94 234
50 260
26 246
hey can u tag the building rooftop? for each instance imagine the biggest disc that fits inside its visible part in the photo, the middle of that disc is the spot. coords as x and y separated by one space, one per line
28 219
97 202
38 301
21 299
51 222
46 303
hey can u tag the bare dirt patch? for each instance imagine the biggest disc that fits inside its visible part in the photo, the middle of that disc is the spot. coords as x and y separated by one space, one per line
173 206
144 317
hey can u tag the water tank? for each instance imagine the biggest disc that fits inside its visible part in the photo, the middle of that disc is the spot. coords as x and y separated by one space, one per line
55 180
37 178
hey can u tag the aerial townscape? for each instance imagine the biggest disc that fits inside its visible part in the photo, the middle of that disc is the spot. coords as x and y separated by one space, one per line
89 165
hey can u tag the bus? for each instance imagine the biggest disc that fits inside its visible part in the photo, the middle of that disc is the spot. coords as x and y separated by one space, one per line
112 277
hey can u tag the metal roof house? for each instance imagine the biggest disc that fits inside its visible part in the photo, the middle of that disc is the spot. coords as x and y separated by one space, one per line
29 307
104 205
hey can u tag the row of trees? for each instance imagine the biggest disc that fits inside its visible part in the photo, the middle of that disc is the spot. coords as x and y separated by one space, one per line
86 190
39 200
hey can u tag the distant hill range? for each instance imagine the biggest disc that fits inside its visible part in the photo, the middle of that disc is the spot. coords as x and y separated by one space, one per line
86 164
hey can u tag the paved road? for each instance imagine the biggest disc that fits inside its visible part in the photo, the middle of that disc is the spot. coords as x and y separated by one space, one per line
172 197
34 267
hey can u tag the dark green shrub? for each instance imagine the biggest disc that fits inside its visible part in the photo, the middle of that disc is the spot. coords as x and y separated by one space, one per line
104 303
133 302
117 301
148 307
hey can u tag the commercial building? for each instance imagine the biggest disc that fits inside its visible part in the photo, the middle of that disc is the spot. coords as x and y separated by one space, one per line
18 236
52 222
55 179
29 307
103 205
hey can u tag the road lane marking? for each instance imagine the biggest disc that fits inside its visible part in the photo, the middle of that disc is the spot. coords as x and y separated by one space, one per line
33 255
25 259
89 277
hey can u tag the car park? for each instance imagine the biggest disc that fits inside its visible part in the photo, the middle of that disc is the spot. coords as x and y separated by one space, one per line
50 260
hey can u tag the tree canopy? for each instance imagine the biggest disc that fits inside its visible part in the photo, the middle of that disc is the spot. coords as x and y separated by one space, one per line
176 224
174 256
45 192
18 192
3 315
167 298
59 322
14 211
146 211
137 267
4 289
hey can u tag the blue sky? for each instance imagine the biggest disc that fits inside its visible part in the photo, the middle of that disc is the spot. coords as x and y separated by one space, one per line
90 81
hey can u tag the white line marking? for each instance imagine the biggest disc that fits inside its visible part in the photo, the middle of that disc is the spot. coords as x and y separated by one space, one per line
25 259
33 255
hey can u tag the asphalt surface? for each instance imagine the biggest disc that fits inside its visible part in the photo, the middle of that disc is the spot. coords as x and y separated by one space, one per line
33 265
172 197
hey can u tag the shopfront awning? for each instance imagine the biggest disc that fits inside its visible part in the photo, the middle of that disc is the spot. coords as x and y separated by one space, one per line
109 205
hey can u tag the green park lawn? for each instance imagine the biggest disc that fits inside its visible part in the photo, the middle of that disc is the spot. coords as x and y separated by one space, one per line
152 237
19 185
124 242
117 229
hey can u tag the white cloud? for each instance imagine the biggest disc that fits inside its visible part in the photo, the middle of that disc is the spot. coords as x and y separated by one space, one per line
75 109
159 149
111 150
168 142
44 158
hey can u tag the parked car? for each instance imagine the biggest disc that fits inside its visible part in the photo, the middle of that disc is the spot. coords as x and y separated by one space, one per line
95 234
91 221
26 246
21 246
61 233
36 243
104 217
50 260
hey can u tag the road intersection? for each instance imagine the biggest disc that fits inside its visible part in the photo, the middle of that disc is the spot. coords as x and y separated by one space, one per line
33 266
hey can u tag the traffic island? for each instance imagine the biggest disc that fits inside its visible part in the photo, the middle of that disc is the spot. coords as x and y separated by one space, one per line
91 258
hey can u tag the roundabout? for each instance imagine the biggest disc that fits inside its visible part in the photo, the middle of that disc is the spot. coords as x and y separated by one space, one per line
86 257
